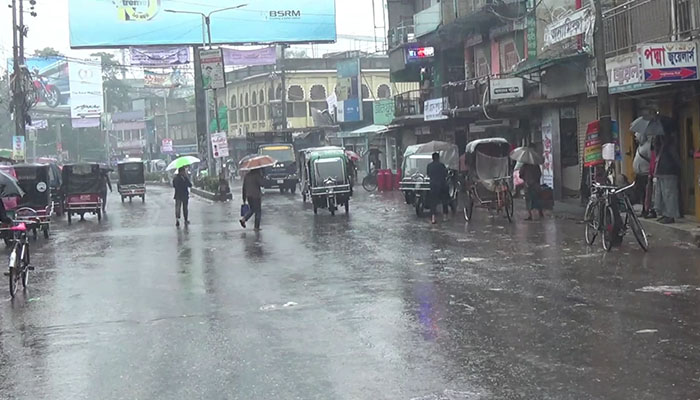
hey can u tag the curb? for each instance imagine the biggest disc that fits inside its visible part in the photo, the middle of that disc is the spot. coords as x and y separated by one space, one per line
209 195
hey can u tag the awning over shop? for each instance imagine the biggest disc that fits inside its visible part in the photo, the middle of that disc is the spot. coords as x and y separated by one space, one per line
364 131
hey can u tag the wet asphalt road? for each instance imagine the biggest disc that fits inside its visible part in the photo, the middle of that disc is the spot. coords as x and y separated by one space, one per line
377 305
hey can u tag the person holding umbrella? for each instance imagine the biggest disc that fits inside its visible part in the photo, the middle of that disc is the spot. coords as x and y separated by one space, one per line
182 185
252 183
531 174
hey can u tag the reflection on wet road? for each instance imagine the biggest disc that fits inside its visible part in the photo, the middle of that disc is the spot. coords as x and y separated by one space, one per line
374 305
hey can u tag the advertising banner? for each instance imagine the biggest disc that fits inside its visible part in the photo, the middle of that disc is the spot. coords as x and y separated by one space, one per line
264 56
219 144
349 90
667 62
213 76
153 79
159 56
506 88
120 23
50 82
593 150
18 148
86 88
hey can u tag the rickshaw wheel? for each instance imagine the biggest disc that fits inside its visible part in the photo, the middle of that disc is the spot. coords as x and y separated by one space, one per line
508 204
419 207
468 207
8 242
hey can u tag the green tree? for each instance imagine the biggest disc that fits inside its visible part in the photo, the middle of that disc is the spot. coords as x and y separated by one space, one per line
46 52
116 90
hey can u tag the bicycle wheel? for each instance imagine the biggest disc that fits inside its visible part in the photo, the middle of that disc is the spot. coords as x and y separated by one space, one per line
468 206
508 205
592 221
14 275
608 228
369 183
25 266
636 226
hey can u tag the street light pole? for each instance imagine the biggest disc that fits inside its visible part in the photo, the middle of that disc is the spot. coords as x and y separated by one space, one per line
207 42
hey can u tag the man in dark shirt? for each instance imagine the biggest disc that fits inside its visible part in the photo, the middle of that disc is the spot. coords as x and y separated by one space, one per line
182 186
253 195
437 172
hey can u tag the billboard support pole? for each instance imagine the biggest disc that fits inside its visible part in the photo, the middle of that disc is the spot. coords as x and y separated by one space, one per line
200 106
18 56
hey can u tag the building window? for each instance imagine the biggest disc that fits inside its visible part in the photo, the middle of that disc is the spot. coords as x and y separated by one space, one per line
254 98
384 91
318 92
261 99
246 100
240 115
232 117
270 93
509 55
481 62
233 101
296 93
261 113
247 114
254 111
365 92
278 93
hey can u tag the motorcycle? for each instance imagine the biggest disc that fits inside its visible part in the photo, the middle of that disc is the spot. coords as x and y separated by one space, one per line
46 92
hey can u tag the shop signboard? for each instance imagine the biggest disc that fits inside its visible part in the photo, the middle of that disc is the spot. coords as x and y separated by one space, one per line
669 62
506 88
593 147
577 23
548 165
624 74
433 109
349 84
383 111
415 54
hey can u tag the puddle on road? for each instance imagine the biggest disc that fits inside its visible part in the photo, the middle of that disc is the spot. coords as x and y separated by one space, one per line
451 395
672 289
472 260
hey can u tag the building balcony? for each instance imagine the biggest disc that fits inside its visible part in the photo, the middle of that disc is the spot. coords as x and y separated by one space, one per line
629 24
401 35
463 96
411 103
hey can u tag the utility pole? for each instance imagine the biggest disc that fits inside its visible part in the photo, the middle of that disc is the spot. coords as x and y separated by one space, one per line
284 86
604 114
17 63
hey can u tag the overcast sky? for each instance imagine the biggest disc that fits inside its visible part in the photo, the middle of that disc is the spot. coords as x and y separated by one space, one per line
50 27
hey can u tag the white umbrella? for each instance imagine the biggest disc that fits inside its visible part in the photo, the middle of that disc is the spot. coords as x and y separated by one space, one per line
527 155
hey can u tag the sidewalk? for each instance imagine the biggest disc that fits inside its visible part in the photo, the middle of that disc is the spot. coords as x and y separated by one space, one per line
685 229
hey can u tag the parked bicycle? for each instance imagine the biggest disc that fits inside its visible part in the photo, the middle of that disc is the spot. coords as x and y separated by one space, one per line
369 183
603 210
19 265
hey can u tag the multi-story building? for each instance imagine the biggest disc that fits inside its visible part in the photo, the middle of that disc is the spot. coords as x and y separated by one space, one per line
524 70
256 106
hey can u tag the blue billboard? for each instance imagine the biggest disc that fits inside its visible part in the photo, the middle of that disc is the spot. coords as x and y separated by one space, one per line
121 23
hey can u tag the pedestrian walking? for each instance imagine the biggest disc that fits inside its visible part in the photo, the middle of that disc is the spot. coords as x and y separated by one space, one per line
182 186
106 183
641 165
531 174
437 172
252 194
668 168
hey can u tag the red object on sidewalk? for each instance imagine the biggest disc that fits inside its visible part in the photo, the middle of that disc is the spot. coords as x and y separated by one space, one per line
381 180
397 179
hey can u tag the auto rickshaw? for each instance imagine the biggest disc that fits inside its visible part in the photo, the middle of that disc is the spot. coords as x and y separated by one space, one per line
324 172
35 207
415 183
132 182
82 185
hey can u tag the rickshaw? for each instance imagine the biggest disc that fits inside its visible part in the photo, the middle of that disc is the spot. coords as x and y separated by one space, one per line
132 182
35 207
488 177
324 172
415 184
82 184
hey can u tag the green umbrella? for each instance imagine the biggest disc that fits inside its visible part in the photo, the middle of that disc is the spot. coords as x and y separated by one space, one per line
184 161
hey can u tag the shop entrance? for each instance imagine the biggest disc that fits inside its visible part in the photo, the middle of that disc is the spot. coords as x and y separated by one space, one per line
689 140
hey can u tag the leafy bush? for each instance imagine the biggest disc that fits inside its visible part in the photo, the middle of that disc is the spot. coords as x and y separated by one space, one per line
209 183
